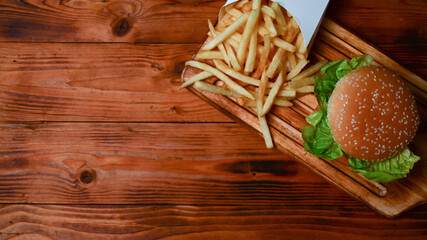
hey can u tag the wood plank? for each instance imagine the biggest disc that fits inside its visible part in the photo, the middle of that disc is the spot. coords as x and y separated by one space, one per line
145 21
98 82
146 163
343 220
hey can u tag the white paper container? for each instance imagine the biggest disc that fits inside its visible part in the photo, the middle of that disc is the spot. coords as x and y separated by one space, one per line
307 13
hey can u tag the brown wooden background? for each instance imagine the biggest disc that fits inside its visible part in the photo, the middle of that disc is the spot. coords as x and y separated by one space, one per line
97 142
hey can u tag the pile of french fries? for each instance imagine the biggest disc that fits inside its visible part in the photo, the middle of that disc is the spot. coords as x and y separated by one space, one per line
258 55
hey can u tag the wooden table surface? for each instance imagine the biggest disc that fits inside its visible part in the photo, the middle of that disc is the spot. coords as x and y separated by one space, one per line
97 142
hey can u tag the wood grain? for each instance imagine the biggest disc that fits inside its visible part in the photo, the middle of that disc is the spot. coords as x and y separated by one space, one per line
345 220
158 163
161 21
98 82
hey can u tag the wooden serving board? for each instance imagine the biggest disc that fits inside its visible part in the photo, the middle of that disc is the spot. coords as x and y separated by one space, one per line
334 42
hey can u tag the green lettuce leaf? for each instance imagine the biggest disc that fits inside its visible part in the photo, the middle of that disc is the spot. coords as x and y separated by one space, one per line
318 138
386 170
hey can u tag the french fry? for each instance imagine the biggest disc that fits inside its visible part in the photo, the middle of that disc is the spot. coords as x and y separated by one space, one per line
281 30
210 55
235 12
262 29
227 32
230 83
280 18
250 60
293 30
249 28
277 102
299 40
235 74
296 83
221 45
241 3
290 94
261 92
311 70
269 25
247 7
269 11
215 89
264 57
266 132
292 60
297 69
230 6
272 95
282 102
198 77
283 44
302 48
275 62
305 89
232 57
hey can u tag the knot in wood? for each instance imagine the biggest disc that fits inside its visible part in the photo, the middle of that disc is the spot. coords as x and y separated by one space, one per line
121 27
86 177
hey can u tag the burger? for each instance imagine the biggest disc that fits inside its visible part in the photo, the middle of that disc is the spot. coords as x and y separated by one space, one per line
367 114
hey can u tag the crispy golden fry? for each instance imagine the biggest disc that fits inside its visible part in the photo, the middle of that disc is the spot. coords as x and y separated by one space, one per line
241 3
235 74
264 57
311 70
301 64
305 89
266 132
261 92
269 11
230 83
269 25
280 18
227 32
283 44
293 30
249 28
287 93
292 61
235 12
210 55
275 62
250 60
198 77
277 102
262 30
272 95
232 56
296 83
221 45
301 47
215 89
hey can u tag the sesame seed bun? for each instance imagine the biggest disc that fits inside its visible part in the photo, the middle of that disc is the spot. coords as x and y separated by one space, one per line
372 114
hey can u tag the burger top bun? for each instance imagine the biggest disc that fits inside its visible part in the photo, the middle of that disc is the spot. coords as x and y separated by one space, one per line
372 114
